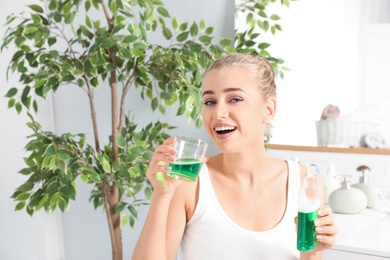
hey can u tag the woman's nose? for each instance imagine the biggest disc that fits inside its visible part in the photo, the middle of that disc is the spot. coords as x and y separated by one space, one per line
220 114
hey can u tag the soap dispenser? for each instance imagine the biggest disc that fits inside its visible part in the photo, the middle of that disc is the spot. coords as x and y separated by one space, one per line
347 199
372 193
331 183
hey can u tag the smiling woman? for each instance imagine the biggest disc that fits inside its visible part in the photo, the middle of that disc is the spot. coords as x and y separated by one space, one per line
243 204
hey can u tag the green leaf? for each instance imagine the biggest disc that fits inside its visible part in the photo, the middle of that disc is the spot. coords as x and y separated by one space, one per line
205 39
273 29
225 42
42 201
11 102
183 26
182 37
175 23
36 18
148 192
70 17
167 33
181 110
120 140
39 83
106 165
264 45
26 187
23 196
164 12
55 198
119 207
132 221
202 24
124 220
154 103
194 29
20 206
67 7
12 92
147 155
30 30
18 107
275 17
133 211
136 52
36 8
116 165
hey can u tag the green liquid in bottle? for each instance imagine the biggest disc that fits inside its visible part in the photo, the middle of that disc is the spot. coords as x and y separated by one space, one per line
186 169
306 239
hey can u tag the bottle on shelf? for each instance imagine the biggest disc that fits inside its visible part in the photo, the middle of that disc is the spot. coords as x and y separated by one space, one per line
347 199
331 183
369 189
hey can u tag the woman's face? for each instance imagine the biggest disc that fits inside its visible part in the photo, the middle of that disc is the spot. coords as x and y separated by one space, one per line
234 112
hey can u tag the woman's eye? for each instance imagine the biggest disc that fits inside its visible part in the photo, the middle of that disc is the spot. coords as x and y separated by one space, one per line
209 102
235 100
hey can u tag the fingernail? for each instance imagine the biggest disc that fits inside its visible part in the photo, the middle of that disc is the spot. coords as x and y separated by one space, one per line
320 212
319 229
320 238
317 222
167 168
171 159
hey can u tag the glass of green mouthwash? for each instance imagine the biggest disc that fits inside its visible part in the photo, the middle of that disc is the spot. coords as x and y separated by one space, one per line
189 158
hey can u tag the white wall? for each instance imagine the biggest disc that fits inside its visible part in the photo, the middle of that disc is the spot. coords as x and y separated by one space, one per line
324 43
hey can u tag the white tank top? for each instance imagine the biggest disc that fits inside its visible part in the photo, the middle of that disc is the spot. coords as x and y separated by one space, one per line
211 234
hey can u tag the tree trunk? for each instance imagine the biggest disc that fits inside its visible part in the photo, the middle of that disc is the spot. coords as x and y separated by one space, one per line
111 198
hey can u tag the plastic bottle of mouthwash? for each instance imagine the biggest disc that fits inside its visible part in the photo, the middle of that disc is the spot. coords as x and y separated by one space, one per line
309 203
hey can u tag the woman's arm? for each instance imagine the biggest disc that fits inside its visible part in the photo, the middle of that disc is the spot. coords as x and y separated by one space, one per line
152 243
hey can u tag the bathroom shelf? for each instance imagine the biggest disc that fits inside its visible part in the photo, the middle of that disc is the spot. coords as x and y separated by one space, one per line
360 150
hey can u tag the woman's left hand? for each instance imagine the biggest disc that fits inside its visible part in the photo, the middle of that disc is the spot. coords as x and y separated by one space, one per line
325 228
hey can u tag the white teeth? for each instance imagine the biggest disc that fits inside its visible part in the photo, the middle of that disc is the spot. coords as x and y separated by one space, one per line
224 128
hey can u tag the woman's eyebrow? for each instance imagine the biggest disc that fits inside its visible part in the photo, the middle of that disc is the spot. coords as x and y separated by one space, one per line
210 92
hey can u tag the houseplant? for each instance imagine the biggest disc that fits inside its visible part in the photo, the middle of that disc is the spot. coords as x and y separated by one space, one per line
97 43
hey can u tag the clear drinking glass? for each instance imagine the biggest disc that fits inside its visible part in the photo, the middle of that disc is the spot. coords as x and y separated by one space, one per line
190 155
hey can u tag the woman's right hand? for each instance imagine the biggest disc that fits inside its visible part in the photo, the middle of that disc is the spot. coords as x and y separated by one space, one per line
164 154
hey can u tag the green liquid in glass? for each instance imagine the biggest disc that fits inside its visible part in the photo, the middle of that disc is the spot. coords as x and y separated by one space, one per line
306 239
186 169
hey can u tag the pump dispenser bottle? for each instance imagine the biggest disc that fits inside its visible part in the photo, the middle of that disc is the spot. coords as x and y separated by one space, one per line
347 199
371 192
309 203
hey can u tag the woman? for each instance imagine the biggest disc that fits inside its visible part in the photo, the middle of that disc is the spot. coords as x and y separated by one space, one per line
244 202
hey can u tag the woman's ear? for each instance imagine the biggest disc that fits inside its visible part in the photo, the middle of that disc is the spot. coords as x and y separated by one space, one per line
270 109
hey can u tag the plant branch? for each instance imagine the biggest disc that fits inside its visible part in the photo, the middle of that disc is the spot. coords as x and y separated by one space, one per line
93 114
126 88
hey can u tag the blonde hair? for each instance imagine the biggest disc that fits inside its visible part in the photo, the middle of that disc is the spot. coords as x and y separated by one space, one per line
261 68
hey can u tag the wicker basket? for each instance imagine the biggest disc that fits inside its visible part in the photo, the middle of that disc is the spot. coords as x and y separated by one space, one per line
339 133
